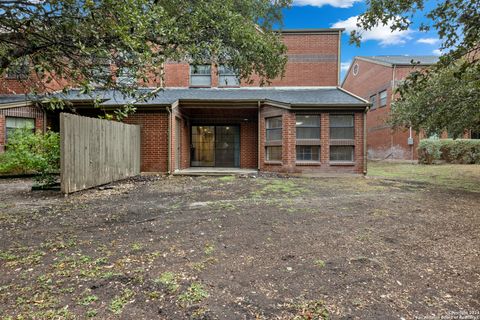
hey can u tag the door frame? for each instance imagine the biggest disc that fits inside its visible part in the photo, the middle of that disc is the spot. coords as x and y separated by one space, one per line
178 143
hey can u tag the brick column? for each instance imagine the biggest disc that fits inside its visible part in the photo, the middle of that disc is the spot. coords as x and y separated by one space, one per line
359 141
325 138
288 141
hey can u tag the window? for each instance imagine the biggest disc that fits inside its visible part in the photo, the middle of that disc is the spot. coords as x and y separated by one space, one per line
341 126
383 98
308 137
227 77
126 74
273 139
342 137
373 101
341 153
308 127
200 76
308 153
475 135
274 153
356 68
18 70
274 129
14 123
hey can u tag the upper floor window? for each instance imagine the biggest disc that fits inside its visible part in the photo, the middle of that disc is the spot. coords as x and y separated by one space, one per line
383 98
373 101
15 123
125 74
18 69
200 76
227 77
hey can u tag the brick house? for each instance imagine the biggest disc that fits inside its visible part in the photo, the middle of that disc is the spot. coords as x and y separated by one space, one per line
374 78
16 111
206 117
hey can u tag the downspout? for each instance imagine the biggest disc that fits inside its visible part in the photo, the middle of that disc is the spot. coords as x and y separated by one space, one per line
169 139
365 142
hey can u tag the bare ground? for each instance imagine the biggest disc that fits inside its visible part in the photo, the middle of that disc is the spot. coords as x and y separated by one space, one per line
240 248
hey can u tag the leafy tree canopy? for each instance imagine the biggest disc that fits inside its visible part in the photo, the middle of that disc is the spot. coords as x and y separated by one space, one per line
73 41
446 96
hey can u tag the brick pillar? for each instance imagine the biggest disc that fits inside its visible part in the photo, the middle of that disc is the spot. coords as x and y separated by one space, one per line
325 138
289 139
359 140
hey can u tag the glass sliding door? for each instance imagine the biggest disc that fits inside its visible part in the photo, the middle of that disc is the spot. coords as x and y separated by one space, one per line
215 146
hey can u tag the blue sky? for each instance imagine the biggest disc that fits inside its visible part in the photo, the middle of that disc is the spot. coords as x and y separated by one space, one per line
342 13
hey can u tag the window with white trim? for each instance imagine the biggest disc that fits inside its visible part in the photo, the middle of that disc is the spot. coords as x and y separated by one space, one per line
383 98
16 123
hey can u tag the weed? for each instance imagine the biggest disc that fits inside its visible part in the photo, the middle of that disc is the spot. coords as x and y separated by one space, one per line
87 300
227 178
209 249
195 293
169 280
320 263
137 246
311 310
118 302
91 313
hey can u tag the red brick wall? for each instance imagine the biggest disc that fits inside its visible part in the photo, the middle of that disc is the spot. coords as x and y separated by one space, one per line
154 139
288 163
313 61
249 145
382 140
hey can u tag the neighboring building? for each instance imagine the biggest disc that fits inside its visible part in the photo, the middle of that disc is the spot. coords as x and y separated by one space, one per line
205 117
374 78
16 111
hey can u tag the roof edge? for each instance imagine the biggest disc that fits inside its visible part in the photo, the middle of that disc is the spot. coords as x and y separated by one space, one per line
310 31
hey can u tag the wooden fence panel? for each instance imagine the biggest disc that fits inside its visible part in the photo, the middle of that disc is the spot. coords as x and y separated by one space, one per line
96 151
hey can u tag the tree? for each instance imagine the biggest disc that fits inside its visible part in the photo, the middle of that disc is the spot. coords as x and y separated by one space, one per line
444 97
84 42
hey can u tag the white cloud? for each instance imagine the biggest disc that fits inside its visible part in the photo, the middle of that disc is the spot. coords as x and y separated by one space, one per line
437 52
320 3
345 65
428 40
381 33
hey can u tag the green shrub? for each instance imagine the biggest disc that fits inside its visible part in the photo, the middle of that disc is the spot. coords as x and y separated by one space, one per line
38 153
452 151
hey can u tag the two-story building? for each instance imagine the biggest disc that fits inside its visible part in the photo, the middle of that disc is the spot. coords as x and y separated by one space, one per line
375 78
206 117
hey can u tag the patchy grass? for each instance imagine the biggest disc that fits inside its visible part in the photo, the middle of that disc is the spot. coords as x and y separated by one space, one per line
227 179
104 255
169 280
195 293
118 302
452 176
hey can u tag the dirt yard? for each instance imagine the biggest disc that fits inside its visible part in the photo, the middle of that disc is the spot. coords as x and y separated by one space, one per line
241 248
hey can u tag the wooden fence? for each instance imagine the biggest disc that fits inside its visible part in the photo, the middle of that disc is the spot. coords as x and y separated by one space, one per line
96 152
